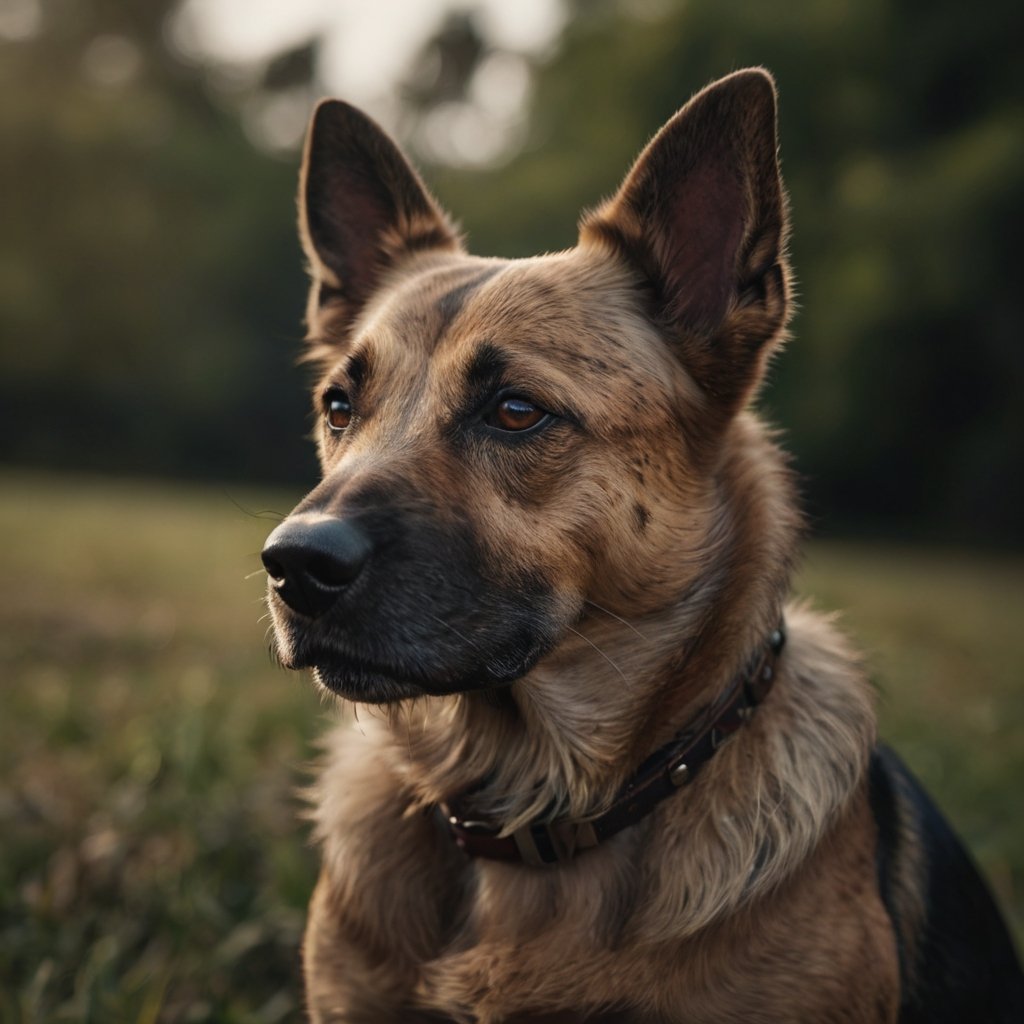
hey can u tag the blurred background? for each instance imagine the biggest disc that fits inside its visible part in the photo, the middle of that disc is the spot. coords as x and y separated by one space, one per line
153 418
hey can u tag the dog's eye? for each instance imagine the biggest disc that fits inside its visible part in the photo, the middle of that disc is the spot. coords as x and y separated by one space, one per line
515 414
337 409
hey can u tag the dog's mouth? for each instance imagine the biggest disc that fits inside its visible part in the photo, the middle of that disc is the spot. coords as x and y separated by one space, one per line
368 682
364 682
372 681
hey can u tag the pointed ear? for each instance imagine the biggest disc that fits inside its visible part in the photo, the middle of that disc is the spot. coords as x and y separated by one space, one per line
362 207
702 215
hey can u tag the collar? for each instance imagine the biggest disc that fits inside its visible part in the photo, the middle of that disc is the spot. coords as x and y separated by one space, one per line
669 769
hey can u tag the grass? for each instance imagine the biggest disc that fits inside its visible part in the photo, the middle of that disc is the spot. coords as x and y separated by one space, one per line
154 866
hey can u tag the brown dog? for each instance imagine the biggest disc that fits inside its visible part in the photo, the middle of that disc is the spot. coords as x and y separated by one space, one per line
616 777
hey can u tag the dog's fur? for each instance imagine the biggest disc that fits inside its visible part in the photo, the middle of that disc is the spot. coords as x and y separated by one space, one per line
539 610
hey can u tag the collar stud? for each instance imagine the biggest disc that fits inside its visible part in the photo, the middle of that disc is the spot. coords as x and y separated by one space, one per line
679 773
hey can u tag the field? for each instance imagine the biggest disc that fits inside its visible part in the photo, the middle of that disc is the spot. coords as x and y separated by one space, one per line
154 866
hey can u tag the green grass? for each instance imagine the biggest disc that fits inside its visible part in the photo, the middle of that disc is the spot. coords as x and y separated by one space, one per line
153 865
943 635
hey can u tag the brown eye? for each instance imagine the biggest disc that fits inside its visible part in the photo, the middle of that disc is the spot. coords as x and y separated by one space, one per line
338 409
515 414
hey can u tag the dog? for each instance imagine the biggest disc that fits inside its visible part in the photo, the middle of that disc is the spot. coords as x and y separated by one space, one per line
613 773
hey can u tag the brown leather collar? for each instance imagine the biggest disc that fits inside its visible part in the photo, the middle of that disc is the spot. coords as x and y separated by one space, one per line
666 771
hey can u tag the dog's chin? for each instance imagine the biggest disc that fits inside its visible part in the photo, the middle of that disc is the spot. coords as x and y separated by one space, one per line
339 667
366 685
371 684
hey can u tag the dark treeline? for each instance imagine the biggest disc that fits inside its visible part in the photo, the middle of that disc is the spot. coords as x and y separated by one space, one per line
151 287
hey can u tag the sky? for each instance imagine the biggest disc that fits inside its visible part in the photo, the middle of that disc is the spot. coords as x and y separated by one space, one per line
367 45
365 49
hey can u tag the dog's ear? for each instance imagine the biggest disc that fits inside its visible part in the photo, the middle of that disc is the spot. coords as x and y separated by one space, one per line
702 215
362 207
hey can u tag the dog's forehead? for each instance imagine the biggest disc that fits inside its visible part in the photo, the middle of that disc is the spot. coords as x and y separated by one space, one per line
574 318
404 322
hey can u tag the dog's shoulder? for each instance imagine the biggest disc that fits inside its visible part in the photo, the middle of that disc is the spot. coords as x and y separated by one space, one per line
956 957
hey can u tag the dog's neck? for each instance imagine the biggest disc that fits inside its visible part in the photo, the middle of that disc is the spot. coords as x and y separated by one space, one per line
561 741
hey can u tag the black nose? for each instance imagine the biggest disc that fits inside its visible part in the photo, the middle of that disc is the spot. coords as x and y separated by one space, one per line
312 561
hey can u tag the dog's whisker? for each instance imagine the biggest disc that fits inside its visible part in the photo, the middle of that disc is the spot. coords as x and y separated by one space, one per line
618 618
356 707
458 633
271 649
586 639
263 513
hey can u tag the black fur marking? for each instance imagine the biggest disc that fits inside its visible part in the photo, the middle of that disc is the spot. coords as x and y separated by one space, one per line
966 967
885 809
435 238
451 303
326 294
642 515
487 368
357 368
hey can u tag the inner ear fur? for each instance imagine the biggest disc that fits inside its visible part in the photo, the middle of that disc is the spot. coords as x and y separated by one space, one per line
362 207
702 215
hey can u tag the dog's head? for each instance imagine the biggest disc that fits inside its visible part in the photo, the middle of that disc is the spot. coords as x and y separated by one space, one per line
507 444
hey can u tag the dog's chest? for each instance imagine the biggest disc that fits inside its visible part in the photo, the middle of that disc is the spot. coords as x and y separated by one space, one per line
504 981
543 939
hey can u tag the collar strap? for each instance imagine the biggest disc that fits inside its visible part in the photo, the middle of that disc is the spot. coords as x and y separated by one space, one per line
666 771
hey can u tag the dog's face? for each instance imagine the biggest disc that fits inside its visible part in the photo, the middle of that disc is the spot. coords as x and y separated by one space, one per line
506 444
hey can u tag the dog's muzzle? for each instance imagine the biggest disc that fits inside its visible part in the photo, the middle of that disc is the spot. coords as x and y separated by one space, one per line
313 560
385 603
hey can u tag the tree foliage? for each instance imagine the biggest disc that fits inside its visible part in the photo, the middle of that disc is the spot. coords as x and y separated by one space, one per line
902 134
150 289
150 282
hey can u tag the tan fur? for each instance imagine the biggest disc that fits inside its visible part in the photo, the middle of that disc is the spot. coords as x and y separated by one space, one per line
622 922
665 527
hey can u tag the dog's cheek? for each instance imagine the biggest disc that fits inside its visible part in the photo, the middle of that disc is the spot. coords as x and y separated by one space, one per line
651 514
519 496
526 553
525 476
583 524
